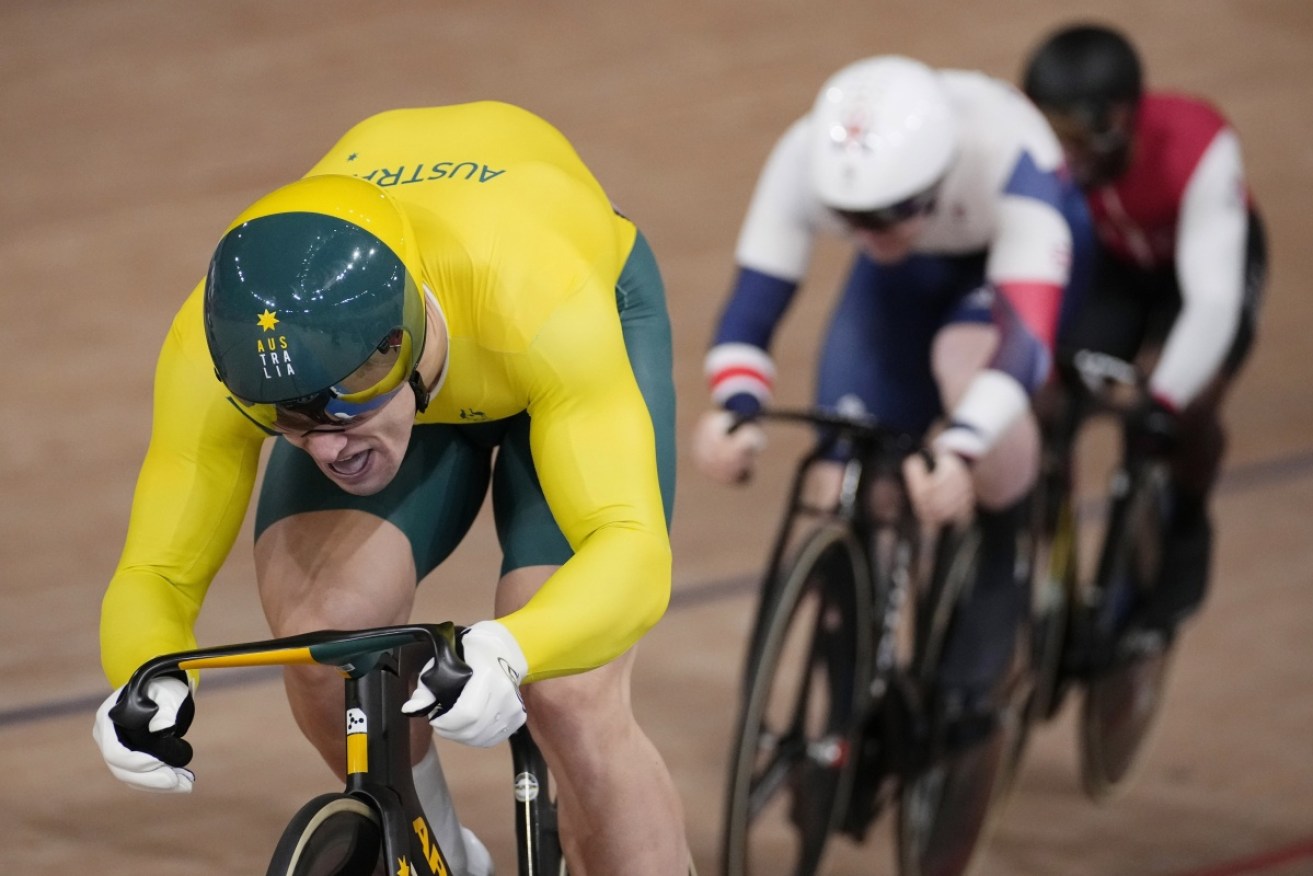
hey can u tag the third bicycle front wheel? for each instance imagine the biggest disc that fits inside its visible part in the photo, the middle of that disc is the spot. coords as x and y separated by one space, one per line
795 755
1122 699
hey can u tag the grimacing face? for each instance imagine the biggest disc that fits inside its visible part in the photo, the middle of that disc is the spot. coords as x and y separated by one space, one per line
363 457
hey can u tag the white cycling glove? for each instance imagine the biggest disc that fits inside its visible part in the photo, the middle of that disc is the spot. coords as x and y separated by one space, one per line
489 708
139 769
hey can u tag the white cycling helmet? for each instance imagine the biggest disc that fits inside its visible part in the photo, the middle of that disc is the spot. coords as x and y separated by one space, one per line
883 132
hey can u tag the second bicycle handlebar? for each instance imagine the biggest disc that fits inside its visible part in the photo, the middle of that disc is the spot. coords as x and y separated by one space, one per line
879 439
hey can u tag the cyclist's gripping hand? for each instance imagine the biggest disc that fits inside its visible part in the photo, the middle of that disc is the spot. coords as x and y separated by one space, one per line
489 708
138 759
1152 426
942 494
724 456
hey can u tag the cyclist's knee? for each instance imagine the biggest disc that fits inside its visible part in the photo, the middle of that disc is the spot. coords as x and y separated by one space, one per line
333 570
576 708
315 696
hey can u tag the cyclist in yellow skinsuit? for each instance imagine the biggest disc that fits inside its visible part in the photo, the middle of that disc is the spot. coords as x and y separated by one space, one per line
447 300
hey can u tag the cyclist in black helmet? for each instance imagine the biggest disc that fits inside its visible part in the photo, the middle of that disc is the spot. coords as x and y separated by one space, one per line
1179 271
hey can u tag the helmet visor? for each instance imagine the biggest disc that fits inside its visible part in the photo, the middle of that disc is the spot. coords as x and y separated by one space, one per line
886 218
355 397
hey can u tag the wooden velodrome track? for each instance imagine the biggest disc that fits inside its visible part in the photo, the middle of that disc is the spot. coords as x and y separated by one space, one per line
133 131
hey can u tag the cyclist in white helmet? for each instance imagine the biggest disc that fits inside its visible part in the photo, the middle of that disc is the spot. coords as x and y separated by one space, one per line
952 188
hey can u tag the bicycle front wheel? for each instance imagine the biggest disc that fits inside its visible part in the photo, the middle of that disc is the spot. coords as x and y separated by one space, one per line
332 835
943 809
796 750
1123 698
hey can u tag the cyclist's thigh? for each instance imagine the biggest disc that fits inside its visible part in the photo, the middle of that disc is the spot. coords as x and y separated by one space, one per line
876 350
527 530
433 499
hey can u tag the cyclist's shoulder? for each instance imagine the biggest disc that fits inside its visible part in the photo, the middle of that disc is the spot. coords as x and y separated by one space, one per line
1174 130
998 125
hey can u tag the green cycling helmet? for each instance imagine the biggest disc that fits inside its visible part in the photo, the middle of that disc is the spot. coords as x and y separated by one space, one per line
313 302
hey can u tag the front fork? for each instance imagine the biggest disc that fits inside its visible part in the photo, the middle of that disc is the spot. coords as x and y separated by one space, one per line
535 816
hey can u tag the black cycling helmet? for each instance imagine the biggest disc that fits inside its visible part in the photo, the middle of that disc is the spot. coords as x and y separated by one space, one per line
1088 81
1084 70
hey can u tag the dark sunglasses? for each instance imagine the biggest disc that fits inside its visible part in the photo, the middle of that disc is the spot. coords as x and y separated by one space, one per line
326 409
885 218
1100 129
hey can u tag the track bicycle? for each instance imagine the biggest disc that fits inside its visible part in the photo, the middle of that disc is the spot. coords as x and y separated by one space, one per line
375 826
1083 627
835 717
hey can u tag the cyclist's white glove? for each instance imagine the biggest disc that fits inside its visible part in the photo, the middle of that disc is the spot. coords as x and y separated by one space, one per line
726 457
489 709
139 769
943 495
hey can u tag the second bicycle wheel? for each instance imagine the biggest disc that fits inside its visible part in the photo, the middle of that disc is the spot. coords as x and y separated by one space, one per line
796 751
332 835
1122 700
944 808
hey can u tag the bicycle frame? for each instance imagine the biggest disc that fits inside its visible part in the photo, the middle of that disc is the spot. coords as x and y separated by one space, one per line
1087 374
893 552
875 449
868 645
378 766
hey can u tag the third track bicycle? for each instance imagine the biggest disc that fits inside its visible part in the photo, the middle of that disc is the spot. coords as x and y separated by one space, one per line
1084 630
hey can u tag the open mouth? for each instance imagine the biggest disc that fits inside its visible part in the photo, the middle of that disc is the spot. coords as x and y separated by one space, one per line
351 466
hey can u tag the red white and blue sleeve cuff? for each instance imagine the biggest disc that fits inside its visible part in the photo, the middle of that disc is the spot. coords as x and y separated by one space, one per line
734 370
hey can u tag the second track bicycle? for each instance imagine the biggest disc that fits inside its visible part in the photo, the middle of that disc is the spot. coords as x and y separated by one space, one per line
835 718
